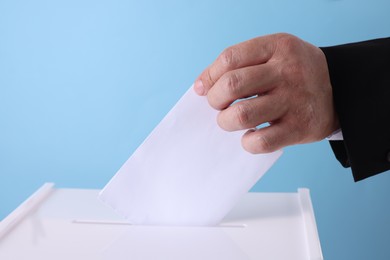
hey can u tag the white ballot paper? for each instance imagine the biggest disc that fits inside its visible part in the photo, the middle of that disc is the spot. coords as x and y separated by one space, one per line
187 172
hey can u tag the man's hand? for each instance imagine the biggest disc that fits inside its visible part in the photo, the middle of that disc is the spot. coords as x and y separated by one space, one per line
289 80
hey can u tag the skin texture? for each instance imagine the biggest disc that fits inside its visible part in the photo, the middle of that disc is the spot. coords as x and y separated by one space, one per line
289 83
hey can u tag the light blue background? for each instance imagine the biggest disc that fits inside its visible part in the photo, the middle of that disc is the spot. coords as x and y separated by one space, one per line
82 83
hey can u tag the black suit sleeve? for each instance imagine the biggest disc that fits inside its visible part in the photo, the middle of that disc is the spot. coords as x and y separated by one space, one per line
360 78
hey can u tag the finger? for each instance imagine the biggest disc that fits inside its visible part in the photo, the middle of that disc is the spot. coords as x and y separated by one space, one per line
269 139
252 52
242 83
251 113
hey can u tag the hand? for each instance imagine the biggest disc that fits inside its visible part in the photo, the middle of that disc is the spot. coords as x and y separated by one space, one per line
289 83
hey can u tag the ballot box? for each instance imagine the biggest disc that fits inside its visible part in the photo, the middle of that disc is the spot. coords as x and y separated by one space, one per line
59 223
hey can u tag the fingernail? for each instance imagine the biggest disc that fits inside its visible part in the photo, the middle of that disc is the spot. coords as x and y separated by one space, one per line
198 87
250 130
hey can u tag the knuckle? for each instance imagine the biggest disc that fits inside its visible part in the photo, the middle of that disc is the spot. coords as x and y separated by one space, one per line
232 84
264 144
292 69
229 57
242 115
208 81
289 42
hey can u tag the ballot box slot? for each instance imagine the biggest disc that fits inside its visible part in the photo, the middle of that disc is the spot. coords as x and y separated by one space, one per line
109 222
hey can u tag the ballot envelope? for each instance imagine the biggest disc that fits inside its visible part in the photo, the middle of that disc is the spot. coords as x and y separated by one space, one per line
60 223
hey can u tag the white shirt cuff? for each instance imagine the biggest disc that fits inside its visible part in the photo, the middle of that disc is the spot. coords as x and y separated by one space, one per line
336 136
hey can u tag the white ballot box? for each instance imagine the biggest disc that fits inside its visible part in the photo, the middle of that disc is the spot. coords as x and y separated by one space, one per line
73 224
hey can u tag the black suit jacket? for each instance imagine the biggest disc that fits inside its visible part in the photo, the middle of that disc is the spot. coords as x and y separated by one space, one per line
360 77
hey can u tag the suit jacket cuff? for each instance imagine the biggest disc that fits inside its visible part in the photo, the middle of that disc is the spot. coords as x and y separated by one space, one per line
360 78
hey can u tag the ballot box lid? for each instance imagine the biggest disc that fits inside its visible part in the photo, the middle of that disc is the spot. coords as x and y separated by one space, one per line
59 223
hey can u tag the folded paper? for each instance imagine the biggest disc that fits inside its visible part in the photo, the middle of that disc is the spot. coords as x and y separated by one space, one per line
188 171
